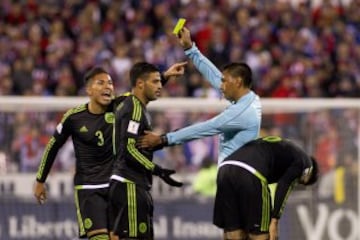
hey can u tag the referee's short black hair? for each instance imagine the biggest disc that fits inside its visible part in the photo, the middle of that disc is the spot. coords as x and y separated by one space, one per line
92 72
140 70
240 69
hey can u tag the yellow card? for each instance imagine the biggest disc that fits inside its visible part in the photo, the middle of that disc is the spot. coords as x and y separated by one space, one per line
179 25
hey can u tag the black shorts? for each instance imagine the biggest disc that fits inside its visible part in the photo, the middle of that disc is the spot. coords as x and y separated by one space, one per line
130 211
91 209
242 201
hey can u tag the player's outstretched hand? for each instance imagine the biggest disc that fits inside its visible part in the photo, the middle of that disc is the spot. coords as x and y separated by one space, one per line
175 70
165 175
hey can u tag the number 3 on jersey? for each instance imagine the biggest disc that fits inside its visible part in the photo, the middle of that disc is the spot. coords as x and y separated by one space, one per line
100 137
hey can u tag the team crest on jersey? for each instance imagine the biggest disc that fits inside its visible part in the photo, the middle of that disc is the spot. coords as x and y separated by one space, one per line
88 223
133 127
59 128
109 117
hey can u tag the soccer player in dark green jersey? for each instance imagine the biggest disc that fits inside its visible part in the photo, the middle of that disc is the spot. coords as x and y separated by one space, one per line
242 204
131 205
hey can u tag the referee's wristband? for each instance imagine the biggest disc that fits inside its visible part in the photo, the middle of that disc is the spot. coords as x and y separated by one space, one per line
164 140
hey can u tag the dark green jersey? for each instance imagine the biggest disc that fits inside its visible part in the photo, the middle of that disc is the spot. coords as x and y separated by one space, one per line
92 139
131 163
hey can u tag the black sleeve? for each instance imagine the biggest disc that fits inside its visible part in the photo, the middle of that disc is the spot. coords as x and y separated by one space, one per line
61 134
128 122
284 187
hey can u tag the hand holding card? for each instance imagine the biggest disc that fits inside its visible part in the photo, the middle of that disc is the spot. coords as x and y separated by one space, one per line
179 25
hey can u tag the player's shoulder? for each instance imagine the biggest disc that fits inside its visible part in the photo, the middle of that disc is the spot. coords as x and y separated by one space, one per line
77 109
125 103
127 99
73 111
121 98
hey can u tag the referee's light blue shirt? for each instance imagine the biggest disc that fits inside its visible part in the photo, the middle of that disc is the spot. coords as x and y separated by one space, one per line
238 124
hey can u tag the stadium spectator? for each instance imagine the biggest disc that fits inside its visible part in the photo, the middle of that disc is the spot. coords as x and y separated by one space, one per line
292 55
204 184
77 34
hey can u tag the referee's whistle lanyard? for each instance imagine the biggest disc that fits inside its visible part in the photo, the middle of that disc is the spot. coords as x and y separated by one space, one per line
246 167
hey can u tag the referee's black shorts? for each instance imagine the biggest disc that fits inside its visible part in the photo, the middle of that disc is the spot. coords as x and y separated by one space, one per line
242 201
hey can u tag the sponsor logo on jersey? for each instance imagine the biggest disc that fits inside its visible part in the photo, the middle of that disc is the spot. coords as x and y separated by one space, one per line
84 129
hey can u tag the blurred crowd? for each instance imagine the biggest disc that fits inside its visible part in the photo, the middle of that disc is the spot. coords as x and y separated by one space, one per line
297 48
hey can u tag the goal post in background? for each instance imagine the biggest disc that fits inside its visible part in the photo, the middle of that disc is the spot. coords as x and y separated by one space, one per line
11 104
327 128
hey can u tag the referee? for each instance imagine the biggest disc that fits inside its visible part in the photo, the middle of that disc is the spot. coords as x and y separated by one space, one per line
242 204
237 124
